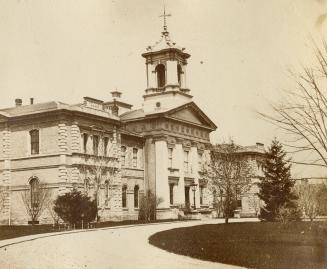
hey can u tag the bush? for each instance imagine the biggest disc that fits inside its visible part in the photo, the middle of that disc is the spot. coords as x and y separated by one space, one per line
73 207
148 206
286 214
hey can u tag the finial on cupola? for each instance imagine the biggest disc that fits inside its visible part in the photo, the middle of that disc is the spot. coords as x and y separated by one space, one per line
164 15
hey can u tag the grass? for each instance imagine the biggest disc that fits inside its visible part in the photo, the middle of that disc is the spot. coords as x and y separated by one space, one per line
7 232
299 245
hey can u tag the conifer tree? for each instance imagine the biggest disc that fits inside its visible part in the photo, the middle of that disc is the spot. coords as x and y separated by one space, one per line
275 188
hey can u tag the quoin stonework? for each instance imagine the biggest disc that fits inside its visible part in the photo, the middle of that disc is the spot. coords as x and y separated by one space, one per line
158 147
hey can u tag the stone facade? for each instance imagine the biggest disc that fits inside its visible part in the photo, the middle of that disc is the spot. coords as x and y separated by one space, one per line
112 152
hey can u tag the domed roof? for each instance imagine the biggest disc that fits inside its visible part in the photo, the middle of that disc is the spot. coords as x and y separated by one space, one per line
165 42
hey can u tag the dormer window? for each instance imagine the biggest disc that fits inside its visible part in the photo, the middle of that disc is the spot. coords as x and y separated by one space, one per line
161 75
35 141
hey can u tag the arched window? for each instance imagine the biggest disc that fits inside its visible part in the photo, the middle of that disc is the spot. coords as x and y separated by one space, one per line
124 196
35 193
161 75
107 189
179 74
136 196
35 141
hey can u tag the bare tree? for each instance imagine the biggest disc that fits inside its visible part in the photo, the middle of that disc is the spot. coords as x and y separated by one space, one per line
229 173
50 207
3 195
255 203
35 200
218 201
99 169
302 112
308 199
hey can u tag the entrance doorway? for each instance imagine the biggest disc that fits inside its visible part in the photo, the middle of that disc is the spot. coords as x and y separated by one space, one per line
187 196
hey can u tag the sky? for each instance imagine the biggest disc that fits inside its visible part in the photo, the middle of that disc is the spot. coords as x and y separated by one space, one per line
241 51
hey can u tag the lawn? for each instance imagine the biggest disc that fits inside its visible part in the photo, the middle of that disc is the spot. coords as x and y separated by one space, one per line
7 232
299 245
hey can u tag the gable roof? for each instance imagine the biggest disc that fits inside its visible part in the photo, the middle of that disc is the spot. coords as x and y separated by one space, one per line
191 109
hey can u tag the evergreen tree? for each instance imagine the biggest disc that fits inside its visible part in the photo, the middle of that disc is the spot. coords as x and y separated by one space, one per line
275 188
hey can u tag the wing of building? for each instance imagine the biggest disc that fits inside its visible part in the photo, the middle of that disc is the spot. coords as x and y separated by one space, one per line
109 149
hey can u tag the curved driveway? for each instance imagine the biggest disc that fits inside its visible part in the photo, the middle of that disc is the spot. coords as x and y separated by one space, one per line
109 248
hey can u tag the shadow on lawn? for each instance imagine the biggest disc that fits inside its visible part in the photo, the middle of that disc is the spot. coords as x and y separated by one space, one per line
253 245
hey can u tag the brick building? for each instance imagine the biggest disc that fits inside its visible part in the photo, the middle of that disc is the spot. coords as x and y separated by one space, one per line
158 147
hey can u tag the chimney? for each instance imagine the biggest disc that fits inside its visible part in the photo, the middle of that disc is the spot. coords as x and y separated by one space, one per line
115 108
31 100
261 145
18 102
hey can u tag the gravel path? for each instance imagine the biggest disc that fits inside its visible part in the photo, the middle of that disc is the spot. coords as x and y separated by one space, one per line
108 248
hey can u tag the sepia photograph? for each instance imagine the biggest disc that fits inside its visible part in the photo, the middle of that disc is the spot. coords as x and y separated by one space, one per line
182 134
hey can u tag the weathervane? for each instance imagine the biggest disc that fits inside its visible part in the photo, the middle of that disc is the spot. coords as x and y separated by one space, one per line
165 32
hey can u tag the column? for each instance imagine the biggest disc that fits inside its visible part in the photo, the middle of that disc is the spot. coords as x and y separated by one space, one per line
193 159
152 80
162 186
179 162
171 73
184 85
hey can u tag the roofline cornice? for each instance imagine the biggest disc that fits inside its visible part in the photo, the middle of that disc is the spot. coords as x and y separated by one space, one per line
62 111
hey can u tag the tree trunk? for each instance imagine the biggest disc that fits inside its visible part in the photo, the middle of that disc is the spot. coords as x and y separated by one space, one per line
226 220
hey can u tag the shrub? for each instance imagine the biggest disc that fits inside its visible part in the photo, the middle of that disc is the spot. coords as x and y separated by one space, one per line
73 207
148 206
286 214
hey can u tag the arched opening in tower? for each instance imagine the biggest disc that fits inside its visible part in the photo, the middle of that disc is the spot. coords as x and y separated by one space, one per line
179 74
161 75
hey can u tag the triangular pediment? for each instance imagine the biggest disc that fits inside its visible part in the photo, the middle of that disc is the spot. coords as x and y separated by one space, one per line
191 113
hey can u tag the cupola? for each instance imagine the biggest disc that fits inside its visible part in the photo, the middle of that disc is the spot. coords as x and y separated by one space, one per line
166 72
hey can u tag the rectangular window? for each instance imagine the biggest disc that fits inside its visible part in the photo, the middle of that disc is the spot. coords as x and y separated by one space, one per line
34 135
95 145
171 194
105 146
107 192
186 164
239 202
201 195
200 160
170 157
136 196
123 156
135 157
124 196
85 138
